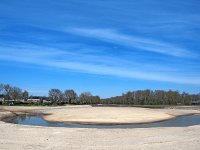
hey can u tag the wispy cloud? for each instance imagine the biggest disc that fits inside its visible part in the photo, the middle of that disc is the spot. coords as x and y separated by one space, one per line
59 59
138 43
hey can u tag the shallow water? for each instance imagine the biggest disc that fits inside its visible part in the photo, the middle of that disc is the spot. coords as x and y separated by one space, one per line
37 120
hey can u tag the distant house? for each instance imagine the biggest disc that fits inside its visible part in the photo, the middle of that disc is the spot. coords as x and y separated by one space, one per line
1 100
21 100
196 102
33 100
46 101
10 102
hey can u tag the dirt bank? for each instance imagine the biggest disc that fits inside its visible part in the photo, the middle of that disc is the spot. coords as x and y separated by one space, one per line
6 114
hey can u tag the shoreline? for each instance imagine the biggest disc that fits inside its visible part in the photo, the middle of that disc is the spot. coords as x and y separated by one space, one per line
48 112
18 137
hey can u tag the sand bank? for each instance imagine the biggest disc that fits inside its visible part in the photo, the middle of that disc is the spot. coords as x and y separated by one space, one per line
20 137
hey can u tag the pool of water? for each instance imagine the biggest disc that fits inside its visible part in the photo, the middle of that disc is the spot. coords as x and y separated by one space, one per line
37 120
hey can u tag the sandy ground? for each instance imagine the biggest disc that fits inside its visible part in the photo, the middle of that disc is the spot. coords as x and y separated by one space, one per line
28 137
106 115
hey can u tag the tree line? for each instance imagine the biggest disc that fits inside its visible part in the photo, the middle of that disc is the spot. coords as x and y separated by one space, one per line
156 97
9 92
69 96
55 96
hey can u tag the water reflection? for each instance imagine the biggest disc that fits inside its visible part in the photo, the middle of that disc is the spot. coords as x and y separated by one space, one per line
37 120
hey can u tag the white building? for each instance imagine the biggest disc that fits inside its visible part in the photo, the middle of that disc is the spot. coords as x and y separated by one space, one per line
2 100
33 100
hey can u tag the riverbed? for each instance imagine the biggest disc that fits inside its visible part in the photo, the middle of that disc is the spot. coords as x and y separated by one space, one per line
38 120
19 137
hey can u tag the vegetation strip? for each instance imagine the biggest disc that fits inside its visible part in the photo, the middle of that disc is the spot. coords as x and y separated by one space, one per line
11 95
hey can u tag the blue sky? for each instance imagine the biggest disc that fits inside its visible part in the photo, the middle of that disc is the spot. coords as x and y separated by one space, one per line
104 46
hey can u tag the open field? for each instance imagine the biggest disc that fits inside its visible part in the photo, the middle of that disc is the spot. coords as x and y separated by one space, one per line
28 137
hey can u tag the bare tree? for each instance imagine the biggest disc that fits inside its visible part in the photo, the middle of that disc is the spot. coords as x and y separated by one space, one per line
55 95
15 93
70 95
25 95
7 91
85 97
1 89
